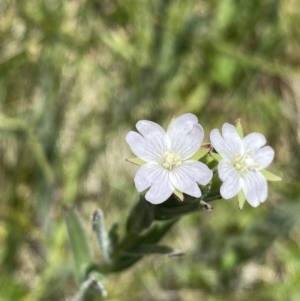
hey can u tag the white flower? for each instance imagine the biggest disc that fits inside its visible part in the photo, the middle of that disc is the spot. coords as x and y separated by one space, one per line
166 155
242 164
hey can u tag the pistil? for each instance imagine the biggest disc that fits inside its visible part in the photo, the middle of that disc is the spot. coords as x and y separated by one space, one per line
244 163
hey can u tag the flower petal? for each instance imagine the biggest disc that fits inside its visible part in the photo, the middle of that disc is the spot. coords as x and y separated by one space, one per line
232 138
184 182
255 188
231 179
185 136
182 120
159 192
145 175
153 133
142 148
186 176
220 146
156 176
254 141
264 156
226 171
198 171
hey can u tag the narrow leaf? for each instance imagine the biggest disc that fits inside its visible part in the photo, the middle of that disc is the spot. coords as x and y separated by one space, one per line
130 251
270 176
113 236
157 231
201 152
165 213
102 236
216 156
241 199
140 216
147 249
239 128
79 244
179 195
136 161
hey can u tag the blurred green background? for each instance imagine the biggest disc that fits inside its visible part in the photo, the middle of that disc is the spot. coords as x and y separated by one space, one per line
75 77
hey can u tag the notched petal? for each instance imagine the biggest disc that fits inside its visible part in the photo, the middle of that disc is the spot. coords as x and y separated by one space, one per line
157 177
186 140
186 176
145 175
231 186
220 145
159 191
264 156
232 138
226 171
255 188
142 148
254 141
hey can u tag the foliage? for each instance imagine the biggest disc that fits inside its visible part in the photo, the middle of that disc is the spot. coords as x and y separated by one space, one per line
75 76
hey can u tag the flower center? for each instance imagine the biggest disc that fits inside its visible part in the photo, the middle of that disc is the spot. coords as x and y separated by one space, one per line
171 160
244 163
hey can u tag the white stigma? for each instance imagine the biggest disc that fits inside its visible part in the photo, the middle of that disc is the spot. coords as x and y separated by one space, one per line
244 163
171 160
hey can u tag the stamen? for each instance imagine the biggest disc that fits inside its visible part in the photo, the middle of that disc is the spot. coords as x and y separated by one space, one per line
171 160
244 163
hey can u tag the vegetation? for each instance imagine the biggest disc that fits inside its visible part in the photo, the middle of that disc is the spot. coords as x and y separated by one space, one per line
75 77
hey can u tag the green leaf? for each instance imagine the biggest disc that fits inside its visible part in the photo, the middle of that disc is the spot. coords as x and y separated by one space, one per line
140 216
79 244
157 231
101 234
130 251
147 249
136 161
270 176
113 236
239 128
179 194
214 189
216 156
201 152
165 213
241 199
